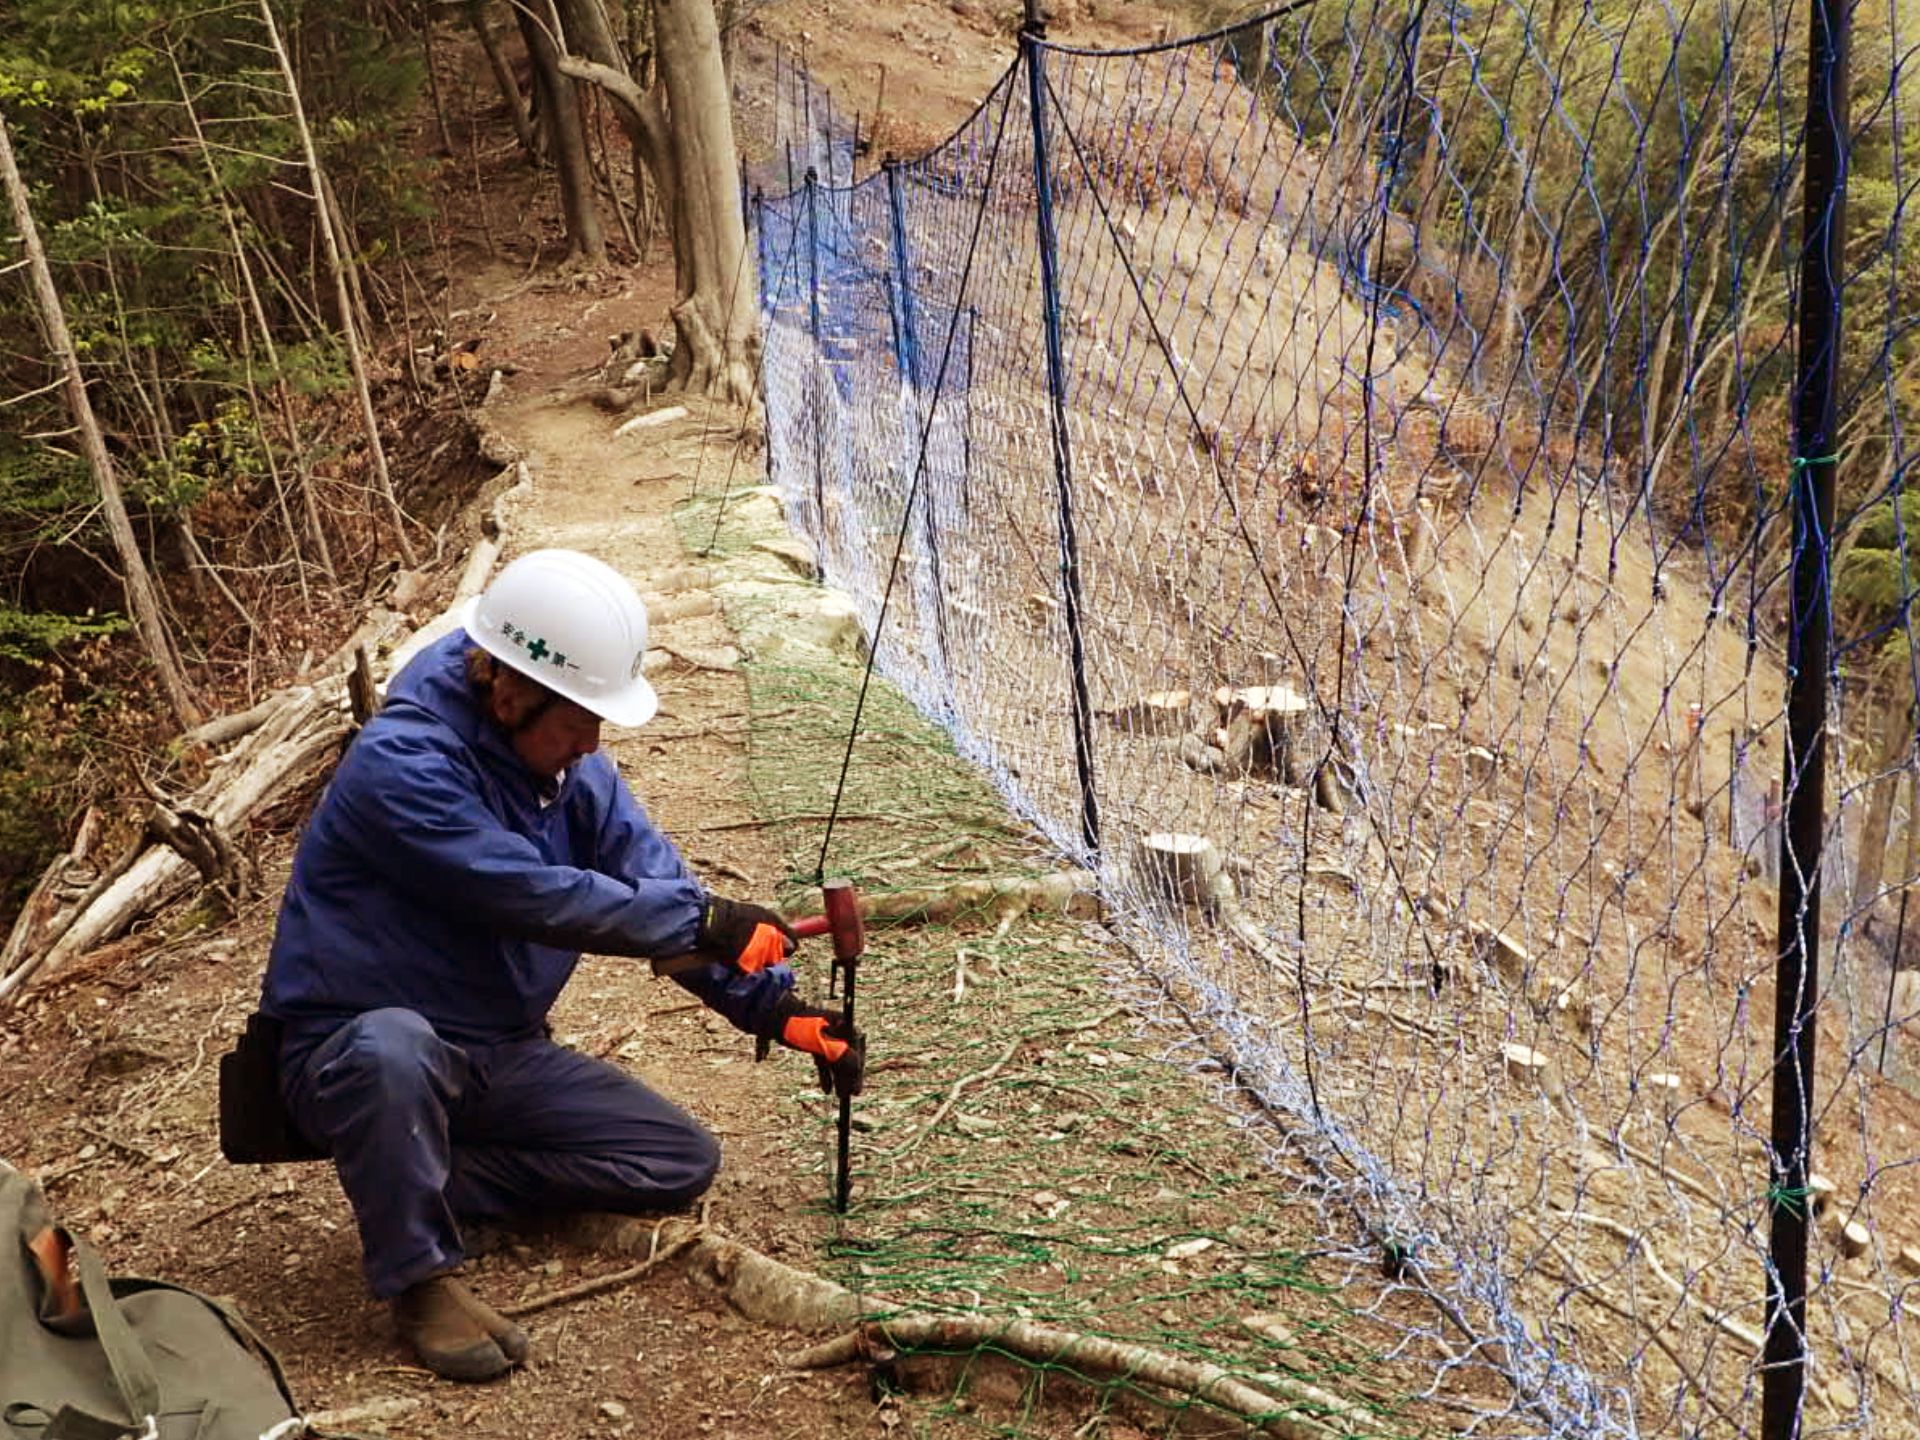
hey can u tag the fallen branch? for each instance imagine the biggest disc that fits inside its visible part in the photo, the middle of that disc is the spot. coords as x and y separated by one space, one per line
369 1412
601 1284
280 755
978 1076
222 728
1275 1409
953 1095
1594 1294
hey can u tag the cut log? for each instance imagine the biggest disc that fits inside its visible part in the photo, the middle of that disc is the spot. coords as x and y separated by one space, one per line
1265 729
1525 1065
1664 1084
222 728
1907 1261
1507 956
684 577
1158 713
1855 1239
1419 542
1199 755
363 695
1328 793
1185 869
1820 1193
1570 1002
652 418
480 562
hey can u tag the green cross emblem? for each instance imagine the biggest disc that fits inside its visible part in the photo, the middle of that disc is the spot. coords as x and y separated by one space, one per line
537 649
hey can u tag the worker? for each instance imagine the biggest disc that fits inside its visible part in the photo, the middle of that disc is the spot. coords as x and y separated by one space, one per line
472 843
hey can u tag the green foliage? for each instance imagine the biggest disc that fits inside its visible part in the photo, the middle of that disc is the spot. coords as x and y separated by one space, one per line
45 767
222 451
28 637
1879 570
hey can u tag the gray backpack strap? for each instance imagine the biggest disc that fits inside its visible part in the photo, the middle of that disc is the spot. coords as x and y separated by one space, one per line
126 1356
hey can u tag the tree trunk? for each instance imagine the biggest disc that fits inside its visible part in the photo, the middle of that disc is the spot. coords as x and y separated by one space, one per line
142 599
1883 779
561 108
710 238
324 225
503 75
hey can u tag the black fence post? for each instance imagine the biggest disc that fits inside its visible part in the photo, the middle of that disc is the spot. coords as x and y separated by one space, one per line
819 355
1815 441
1032 33
760 244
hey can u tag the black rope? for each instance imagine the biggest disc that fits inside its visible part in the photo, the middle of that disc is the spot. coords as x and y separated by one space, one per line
919 469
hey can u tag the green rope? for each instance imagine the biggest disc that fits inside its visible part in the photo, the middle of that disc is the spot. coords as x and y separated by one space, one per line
1790 1199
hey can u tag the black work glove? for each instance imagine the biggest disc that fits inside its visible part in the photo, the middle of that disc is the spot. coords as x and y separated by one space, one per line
839 1050
749 937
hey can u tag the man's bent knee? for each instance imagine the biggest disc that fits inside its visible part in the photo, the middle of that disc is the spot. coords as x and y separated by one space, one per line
670 1175
393 1052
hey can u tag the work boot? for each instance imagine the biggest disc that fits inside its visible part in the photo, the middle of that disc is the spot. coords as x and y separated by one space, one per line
450 1340
511 1339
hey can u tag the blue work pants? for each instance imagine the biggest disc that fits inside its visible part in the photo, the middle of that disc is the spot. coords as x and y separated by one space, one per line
425 1134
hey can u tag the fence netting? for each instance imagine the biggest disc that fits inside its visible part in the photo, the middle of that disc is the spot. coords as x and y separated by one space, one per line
1332 474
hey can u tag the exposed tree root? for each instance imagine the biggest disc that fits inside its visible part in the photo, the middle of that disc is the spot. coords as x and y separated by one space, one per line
758 1286
1279 1406
770 1293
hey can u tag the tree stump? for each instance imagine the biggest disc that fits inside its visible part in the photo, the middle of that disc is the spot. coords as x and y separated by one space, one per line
1524 1064
1907 1262
1263 727
1186 869
1855 1239
1820 1193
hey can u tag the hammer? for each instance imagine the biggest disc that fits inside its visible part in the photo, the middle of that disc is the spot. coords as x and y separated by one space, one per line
841 920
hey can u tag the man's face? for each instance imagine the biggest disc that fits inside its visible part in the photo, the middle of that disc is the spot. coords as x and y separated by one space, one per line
555 737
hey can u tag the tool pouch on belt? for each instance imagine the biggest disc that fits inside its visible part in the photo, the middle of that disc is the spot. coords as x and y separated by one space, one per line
255 1128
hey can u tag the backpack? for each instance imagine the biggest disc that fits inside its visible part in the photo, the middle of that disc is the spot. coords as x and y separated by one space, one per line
83 1357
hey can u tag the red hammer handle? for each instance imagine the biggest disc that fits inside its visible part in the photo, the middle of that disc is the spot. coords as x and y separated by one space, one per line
807 927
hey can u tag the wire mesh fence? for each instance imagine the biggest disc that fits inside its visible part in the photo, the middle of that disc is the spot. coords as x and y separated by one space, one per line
1333 473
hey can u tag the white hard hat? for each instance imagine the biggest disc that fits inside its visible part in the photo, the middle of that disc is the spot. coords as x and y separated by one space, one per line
572 623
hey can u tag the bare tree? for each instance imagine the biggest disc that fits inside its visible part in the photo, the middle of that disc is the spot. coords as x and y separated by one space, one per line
560 111
682 130
344 299
502 73
142 599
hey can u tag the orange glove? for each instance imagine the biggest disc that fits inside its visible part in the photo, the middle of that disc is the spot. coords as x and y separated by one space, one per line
750 937
839 1050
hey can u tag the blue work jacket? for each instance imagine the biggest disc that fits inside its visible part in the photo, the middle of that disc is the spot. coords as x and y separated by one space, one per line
434 876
